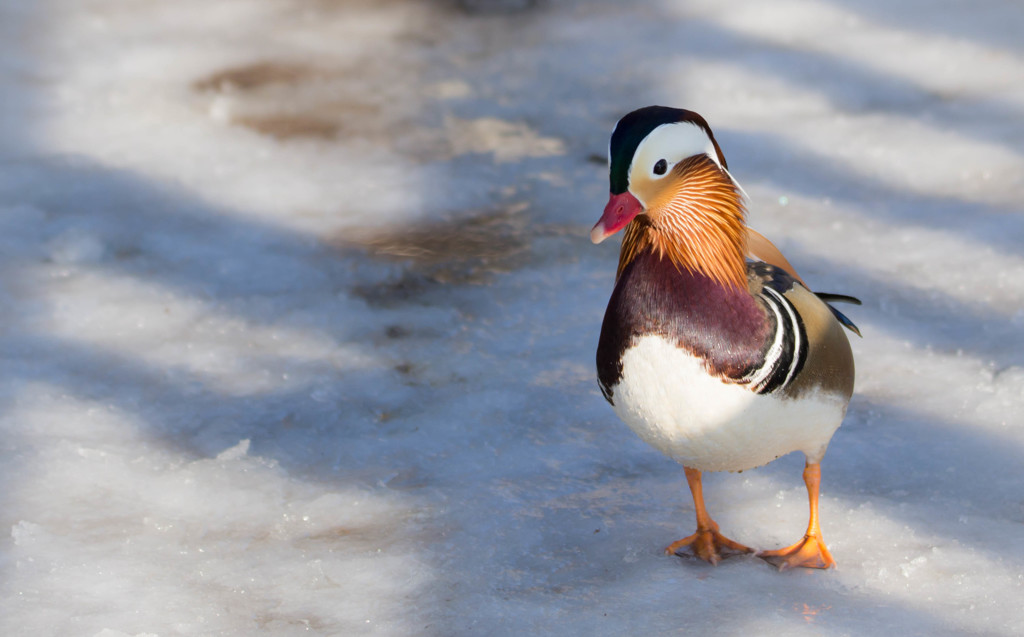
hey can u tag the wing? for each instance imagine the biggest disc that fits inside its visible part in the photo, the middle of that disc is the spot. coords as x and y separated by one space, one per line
814 350
760 248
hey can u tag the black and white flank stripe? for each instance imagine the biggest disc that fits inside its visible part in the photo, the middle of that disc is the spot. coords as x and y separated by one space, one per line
787 349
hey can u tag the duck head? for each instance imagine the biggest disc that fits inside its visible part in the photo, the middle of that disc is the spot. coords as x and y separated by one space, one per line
671 186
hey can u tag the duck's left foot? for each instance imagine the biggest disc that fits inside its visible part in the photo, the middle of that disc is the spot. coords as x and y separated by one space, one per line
709 545
810 552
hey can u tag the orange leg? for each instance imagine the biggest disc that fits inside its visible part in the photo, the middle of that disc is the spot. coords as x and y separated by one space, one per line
811 551
707 543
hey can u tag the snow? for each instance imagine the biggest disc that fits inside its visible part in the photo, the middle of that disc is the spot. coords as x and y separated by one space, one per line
299 315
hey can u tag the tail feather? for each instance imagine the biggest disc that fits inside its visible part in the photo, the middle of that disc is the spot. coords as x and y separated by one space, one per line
830 298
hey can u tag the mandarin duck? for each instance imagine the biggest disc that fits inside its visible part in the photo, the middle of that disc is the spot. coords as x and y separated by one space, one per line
712 349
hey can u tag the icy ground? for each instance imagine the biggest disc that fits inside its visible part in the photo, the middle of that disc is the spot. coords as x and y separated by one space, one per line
298 315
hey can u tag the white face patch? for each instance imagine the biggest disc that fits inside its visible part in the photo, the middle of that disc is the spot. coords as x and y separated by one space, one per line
672 143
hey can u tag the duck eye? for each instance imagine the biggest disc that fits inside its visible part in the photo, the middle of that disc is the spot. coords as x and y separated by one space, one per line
660 167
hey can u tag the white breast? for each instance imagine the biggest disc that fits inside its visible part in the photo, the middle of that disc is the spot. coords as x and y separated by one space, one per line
669 399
